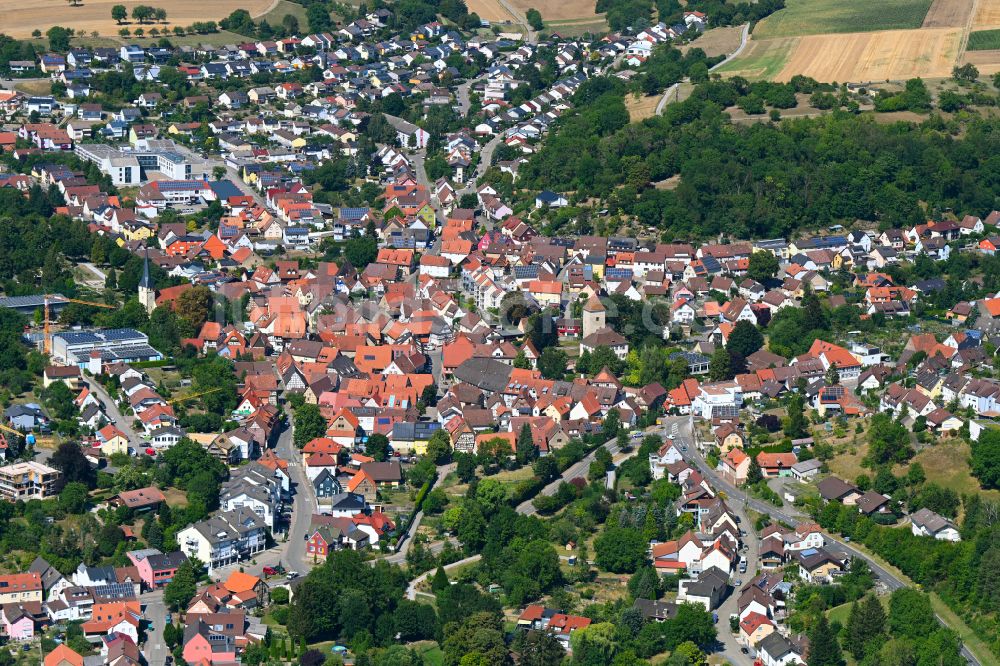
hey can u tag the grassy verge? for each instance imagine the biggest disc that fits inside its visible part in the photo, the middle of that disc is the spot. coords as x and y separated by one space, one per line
975 644
950 619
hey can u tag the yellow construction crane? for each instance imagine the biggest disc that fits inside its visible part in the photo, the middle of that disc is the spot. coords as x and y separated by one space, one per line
192 396
28 437
63 299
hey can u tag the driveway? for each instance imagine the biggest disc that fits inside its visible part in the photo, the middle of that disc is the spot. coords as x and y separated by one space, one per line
155 649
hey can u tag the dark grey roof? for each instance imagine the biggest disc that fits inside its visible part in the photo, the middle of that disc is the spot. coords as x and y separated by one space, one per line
485 373
711 581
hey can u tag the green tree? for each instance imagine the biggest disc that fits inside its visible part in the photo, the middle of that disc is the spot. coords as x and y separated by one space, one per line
824 650
552 363
439 447
620 549
594 644
691 624
985 458
465 466
910 613
538 648
534 18
73 498
888 441
59 38
440 580
119 13
754 474
526 450
795 424
183 585
865 623
744 339
763 266
720 365
491 495
378 447
309 424
361 250
546 469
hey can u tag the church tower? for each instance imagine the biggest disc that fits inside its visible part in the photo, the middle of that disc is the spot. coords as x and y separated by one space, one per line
147 294
594 316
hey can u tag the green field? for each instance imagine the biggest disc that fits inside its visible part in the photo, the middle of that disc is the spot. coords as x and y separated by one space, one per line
984 40
761 60
815 17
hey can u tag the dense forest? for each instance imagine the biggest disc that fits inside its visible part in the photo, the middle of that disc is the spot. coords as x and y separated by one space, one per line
638 14
763 179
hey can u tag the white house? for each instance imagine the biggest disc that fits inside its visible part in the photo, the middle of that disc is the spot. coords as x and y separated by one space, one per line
927 523
659 460
776 650
225 538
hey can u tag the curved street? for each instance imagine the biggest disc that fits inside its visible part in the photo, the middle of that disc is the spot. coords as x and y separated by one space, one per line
792 517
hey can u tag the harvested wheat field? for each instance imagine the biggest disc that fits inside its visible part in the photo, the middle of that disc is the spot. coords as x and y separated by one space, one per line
987 62
948 14
557 11
987 14
875 56
716 41
489 10
20 17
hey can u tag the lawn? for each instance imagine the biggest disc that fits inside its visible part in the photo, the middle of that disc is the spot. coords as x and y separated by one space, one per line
283 7
984 40
816 17
429 651
840 613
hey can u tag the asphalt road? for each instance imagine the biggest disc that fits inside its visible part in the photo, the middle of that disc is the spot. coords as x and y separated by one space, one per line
485 161
462 96
792 517
744 35
122 422
155 649
290 550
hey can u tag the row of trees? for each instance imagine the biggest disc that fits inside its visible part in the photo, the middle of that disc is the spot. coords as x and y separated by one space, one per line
141 14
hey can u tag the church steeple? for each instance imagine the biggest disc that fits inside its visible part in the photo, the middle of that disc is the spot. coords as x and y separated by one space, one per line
147 293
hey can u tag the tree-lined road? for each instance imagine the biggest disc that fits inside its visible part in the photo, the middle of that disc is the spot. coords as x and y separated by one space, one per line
793 517
580 469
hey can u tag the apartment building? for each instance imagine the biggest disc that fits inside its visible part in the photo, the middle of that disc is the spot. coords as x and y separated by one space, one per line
27 481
